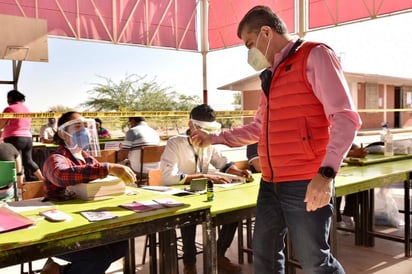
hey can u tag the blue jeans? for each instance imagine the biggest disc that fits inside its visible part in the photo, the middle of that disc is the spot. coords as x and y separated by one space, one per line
281 210
94 260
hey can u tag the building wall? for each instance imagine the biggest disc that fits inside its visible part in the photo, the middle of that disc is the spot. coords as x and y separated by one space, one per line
372 116
250 101
406 117
371 112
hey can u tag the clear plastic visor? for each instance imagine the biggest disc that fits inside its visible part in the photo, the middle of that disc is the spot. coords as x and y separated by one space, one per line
81 134
211 127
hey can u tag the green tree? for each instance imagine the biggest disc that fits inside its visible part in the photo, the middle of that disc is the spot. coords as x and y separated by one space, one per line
237 100
136 93
60 108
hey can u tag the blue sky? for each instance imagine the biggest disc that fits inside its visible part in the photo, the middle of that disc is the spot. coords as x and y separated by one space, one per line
381 46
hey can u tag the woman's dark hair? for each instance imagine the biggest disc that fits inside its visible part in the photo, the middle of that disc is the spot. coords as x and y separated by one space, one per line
99 121
63 119
14 96
260 16
203 112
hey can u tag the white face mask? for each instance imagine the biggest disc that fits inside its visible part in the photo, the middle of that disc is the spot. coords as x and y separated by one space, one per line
256 59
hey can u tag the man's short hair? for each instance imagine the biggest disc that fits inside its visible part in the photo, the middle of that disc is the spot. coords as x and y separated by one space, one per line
137 119
260 16
203 112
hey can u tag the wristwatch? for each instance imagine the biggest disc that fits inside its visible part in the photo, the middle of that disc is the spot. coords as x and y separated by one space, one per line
327 172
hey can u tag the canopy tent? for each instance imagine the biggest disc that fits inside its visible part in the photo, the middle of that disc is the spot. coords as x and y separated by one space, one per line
193 25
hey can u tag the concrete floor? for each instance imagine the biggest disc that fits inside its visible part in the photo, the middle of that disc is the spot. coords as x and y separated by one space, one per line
386 257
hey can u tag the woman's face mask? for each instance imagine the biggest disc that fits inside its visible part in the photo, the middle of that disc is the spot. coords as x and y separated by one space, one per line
81 138
257 59
80 134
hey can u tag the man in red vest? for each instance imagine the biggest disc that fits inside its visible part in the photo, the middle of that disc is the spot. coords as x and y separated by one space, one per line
305 125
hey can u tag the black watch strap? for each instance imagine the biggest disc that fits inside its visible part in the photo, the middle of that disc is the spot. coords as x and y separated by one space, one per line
327 172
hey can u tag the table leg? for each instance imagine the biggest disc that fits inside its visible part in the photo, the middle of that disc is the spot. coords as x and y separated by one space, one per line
358 219
369 239
152 253
240 242
129 261
209 247
249 237
407 206
168 252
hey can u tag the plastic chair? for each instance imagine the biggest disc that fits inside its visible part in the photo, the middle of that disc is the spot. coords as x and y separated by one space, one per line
108 156
31 190
149 154
7 177
8 180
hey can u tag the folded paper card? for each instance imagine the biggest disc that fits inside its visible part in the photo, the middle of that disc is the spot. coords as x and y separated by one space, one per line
144 206
98 215
168 202
10 220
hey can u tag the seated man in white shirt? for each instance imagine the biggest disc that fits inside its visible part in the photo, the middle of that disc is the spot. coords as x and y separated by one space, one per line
140 134
47 131
182 162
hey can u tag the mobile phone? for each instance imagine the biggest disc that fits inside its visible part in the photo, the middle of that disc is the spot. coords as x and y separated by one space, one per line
198 184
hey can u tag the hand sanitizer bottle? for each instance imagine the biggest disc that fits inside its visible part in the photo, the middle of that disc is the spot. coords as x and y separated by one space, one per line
210 193
388 142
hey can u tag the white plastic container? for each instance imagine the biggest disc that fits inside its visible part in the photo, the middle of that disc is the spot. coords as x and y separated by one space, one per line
388 143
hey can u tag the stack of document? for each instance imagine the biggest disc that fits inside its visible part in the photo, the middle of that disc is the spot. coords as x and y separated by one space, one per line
230 177
99 188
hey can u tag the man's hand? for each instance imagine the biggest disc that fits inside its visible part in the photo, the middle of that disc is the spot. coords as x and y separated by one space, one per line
217 179
318 193
245 173
123 172
200 138
358 152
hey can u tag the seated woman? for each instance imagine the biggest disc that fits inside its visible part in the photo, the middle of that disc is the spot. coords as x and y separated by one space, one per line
70 164
101 131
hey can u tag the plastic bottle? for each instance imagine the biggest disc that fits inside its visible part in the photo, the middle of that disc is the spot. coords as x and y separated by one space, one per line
210 192
383 132
388 142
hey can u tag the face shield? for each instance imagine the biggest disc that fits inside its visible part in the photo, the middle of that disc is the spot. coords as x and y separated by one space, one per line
81 134
210 127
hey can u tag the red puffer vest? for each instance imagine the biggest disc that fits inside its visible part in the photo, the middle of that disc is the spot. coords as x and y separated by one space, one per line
295 129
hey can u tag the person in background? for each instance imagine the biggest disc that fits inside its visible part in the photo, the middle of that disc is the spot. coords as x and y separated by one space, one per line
101 131
345 219
72 164
17 131
305 125
181 162
9 153
47 131
140 134
253 158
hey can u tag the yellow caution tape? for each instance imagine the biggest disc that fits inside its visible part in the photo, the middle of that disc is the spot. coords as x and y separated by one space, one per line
236 113
220 114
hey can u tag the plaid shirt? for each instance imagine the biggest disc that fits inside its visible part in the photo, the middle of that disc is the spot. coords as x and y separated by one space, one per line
61 169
